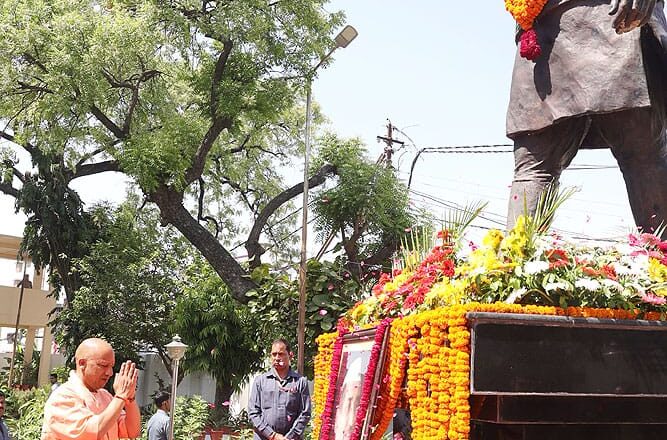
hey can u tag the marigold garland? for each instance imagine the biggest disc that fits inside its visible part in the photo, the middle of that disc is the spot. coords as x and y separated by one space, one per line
367 386
327 409
435 347
323 363
525 12
401 335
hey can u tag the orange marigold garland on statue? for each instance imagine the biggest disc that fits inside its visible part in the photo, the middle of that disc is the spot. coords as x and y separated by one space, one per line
326 422
402 333
433 349
323 361
525 12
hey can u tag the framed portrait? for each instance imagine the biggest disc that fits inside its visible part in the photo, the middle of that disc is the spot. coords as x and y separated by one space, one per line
357 384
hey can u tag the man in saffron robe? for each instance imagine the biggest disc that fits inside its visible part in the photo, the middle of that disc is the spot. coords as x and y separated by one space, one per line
82 409
598 83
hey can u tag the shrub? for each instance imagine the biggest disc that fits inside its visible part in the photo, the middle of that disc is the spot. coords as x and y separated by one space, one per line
28 412
189 418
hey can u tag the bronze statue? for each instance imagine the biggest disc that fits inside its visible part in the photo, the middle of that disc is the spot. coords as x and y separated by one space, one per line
599 82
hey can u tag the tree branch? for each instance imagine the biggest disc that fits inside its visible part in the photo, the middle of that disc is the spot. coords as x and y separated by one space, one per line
255 250
15 172
9 190
116 83
194 172
217 76
245 147
95 168
108 123
219 123
388 248
200 209
33 88
230 271
90 155
240 147
32 60
26 146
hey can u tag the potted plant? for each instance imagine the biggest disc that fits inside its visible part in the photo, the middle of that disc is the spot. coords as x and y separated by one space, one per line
221 424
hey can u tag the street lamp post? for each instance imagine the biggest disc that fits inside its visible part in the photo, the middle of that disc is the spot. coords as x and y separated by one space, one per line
10 377
344 38
176 350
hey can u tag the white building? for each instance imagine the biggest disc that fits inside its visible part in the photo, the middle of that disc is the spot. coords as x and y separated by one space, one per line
29 304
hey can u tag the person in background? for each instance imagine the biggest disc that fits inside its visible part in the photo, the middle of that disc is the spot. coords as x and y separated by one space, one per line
4 432
82 409
402 424
279 406
158 425
53 378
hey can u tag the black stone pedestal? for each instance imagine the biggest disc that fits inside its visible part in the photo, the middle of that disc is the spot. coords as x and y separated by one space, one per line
490 431
546 377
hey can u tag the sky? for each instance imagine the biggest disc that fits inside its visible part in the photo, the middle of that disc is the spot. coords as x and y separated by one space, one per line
441 72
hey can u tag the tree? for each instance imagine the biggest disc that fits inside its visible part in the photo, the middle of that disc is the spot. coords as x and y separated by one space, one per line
367 206
221 333
181 96
199 103
132 274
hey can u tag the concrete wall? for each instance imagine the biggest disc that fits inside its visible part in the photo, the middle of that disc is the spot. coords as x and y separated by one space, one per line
35 307
193 384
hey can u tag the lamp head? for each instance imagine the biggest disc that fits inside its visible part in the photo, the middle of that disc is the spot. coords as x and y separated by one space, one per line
176 349
346 36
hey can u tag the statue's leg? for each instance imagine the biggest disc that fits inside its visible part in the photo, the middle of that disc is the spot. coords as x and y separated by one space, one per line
637 140
539 159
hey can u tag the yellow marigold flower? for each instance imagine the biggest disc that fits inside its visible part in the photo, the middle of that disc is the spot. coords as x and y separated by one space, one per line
360 311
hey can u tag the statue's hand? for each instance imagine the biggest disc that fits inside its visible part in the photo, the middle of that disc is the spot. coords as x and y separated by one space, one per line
630 14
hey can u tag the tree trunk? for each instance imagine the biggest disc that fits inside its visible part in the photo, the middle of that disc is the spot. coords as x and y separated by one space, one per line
172 210
223 392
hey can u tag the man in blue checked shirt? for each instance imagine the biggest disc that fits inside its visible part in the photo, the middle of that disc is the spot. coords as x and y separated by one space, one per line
279 406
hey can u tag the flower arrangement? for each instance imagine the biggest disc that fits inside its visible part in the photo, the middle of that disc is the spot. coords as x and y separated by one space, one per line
525 270
430 352
525 12
525 267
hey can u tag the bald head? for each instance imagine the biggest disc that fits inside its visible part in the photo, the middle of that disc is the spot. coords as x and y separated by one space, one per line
94 362
90 348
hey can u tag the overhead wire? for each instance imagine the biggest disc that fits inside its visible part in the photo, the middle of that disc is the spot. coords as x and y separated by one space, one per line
428 199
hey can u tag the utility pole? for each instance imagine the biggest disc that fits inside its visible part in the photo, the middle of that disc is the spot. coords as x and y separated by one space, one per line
389 148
